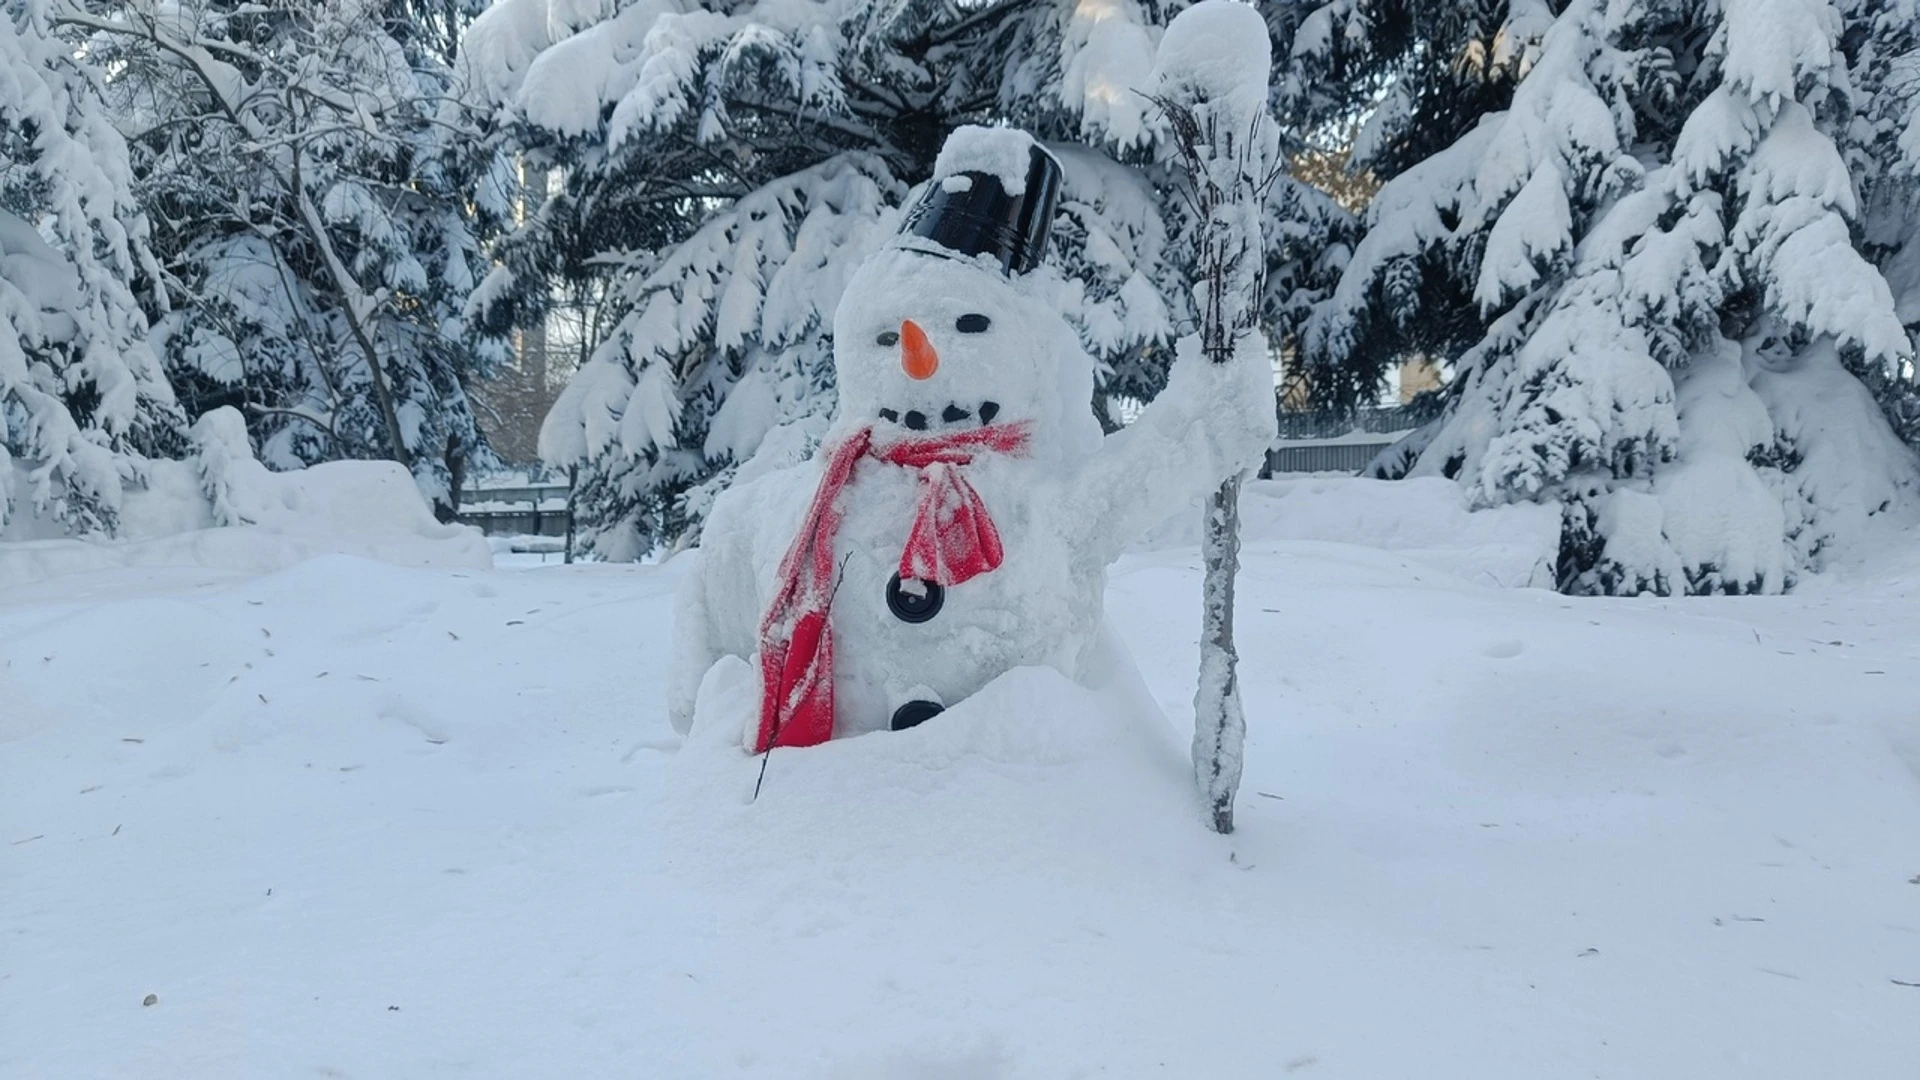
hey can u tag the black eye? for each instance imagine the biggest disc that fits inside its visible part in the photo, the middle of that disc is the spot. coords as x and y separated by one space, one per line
974 323
888 338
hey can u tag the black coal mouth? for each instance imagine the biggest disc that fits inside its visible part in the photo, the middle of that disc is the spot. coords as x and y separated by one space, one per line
954 415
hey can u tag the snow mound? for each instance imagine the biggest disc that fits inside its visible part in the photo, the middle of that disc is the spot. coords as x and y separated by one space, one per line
1002 153
1217 50
1033 762
430 823
1426 518
224 510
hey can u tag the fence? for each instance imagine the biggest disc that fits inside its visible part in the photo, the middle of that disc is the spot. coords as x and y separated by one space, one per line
522 509
1310 443
1383 420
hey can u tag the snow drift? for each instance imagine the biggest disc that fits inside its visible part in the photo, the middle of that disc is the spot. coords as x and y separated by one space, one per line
222 509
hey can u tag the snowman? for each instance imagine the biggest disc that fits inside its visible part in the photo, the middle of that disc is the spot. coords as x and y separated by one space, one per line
959 517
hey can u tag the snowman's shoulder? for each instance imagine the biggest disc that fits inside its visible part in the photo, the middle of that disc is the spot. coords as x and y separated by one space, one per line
789 486
760 513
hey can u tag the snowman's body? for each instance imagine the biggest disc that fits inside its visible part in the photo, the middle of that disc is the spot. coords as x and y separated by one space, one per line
1040 607
1064 507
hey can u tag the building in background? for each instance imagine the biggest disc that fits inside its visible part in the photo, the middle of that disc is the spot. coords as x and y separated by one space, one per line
512 405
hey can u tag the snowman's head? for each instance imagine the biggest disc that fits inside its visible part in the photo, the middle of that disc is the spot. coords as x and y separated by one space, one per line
950 326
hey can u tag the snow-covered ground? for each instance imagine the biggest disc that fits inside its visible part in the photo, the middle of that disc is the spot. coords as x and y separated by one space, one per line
348 818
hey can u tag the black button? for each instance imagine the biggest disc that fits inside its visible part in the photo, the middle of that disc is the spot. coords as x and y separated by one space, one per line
892 416
989 410
909 608
916 420
915 713
953 414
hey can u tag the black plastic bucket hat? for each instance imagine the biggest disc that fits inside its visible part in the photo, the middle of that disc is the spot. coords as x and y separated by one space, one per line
981 218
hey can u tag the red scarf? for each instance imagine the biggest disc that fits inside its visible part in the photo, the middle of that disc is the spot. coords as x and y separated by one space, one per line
952 539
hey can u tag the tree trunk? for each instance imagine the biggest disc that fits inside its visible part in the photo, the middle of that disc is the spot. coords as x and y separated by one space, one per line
456 462
1219 725
358 308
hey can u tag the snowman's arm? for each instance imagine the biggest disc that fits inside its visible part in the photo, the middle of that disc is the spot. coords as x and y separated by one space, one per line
1212 422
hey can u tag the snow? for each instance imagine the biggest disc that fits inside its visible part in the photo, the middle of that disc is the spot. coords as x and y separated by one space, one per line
1720 517
47 282
224 510
1426 519
355 818
1104 46
1775 47
1535 230
1002 153
1856 482
1216 51
1118 309
1795 230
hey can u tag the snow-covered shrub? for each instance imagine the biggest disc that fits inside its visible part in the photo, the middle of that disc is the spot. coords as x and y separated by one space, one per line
231 479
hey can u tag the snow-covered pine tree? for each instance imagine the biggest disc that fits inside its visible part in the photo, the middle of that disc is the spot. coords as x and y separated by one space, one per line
1655 238
83 401
311 220
1420 76
1883 149
1466 254
725 168
1806 310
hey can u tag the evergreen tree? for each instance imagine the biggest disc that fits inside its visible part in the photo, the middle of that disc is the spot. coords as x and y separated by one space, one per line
1883 46
310 210
1648 285
83 401
1409 80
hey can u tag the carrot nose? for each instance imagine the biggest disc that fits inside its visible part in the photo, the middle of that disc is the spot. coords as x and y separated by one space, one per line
916 352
